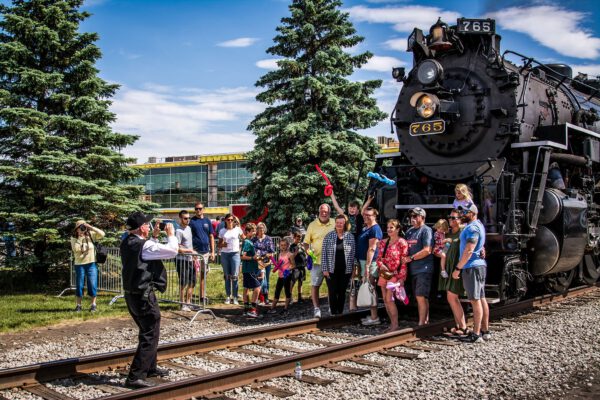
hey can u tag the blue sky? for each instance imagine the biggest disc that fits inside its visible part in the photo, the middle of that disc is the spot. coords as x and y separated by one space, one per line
187 68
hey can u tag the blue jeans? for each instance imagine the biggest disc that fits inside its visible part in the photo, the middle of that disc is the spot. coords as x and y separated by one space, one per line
265 283
91 272
231 270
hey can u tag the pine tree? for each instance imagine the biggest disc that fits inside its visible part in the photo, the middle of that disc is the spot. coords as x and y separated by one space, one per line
59 158
312 114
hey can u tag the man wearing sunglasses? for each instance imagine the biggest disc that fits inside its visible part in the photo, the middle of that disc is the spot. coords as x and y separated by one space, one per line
202 236
473 266
185 262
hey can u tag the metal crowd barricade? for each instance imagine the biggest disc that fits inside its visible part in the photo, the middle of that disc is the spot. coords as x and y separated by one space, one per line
109 275
110 280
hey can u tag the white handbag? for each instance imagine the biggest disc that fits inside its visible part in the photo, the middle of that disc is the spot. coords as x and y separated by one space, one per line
366 296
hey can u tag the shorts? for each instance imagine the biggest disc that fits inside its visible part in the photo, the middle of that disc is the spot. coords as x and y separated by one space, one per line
316 275
204 261
186 272
251 280
373 271
421 284
474 282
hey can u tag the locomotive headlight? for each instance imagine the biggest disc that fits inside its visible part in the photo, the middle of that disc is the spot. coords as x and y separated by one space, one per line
429 71
425 103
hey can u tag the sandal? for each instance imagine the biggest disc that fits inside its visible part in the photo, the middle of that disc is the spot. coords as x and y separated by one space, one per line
458 331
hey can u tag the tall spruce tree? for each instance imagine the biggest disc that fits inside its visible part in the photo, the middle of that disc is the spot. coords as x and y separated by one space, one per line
312 114
59 158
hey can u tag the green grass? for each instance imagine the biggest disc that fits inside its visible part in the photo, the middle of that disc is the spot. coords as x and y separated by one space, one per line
25 311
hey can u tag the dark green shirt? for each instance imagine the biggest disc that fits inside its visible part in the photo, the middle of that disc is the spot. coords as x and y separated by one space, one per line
250 266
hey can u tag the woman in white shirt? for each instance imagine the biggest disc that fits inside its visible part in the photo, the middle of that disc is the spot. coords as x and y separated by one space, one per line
229 243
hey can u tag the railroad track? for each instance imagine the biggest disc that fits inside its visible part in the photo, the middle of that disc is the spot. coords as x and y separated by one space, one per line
326 342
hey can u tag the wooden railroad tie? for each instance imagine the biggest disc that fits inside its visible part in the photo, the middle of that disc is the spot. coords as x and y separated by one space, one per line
399 354
255 353
346 370
272 390
46 393
364 361
182 367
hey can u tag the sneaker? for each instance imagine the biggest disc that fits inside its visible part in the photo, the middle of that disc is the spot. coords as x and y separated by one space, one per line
228 301
272 311
236 302
365 319
284 313
486 335
185 308
444 274
78 308
370 321
252 313
472 338
93 308
317 313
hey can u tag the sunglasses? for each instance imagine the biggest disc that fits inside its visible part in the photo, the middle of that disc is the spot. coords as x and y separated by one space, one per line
185 219
198 208
453 217
228 219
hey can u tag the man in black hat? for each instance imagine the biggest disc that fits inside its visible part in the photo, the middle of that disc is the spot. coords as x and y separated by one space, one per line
143 271
420 261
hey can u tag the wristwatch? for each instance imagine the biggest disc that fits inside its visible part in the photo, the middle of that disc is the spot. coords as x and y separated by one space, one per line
412 258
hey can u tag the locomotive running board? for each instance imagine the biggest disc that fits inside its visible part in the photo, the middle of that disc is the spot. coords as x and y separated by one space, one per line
556 136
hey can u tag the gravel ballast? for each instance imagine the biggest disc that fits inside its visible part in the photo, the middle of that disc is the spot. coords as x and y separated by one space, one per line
534 359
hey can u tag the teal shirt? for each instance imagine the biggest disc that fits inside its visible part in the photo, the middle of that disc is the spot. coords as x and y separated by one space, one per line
249 266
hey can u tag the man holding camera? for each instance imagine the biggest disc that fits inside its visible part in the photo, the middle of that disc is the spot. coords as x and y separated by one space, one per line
143 271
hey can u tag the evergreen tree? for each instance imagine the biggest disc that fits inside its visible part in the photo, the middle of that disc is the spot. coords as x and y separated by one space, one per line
59 158
311 115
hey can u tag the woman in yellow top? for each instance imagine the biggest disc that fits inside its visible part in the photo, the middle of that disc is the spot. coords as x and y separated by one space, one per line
84 253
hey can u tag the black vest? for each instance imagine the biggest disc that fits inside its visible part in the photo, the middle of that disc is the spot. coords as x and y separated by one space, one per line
140 275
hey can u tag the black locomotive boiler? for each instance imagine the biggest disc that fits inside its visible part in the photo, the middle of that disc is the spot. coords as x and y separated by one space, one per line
524 138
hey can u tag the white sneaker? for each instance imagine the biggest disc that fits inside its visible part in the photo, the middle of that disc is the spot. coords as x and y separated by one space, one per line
228 301
370 321
317 313
236 302
486 335
185 308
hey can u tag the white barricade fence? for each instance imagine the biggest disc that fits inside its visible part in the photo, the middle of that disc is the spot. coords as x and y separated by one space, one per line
109 274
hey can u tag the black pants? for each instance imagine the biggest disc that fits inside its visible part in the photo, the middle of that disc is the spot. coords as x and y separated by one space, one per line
336 285
146 315
286 284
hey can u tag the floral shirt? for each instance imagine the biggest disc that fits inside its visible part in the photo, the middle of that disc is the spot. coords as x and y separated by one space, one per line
394 253
263 246
439 238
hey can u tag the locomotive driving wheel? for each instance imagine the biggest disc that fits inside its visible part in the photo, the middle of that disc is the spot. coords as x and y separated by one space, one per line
590 270
560 282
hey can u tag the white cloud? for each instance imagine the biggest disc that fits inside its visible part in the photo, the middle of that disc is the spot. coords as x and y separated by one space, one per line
553 27
267 64
185 121
404 19
382 64
592 70
239 42
399 44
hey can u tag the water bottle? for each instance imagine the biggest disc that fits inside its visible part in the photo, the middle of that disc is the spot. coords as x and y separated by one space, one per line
298 371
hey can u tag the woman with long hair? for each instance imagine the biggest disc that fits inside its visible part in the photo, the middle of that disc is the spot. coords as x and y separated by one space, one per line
84 253
391 251
229 244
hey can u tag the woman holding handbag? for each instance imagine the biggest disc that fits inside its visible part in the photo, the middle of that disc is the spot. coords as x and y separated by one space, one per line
390 253
337 261
84 254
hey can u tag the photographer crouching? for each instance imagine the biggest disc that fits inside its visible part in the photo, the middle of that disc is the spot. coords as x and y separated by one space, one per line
143 271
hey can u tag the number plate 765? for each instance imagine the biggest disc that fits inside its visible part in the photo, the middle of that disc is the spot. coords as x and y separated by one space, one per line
427 127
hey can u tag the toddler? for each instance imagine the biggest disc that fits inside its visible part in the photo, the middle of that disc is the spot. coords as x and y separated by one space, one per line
463 196
441 244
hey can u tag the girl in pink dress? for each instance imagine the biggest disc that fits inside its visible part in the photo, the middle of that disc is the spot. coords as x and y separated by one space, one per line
391 251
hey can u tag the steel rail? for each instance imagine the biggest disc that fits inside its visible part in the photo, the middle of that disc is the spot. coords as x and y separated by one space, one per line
236 377
46 371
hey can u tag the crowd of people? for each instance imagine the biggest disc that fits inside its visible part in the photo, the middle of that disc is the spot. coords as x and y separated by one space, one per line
347 251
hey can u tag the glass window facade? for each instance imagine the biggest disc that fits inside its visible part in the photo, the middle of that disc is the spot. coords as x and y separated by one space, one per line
231 176
180 187
175 187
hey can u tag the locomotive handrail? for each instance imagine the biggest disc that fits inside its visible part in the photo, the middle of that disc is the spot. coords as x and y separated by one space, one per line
530 60
486 160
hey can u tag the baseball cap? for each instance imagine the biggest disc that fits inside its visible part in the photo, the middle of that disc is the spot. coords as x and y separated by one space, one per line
468 207
418 211
137 219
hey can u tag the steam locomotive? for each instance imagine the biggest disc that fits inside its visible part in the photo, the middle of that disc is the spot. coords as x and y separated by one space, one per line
524 138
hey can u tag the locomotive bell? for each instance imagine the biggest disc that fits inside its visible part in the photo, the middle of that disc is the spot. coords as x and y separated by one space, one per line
438 38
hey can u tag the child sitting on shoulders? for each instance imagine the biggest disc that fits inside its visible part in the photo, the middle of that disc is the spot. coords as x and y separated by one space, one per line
463 196
441 244
284 266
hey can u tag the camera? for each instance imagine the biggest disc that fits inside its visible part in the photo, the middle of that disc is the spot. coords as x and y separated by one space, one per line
82 228
162 225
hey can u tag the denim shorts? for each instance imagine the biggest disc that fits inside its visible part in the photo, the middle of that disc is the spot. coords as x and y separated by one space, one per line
474 282
251 280
421 284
